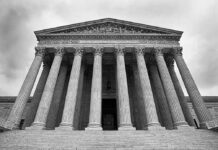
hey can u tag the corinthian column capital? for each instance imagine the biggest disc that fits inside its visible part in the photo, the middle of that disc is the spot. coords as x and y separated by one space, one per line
59 51
98 51
158 50
139 51
78 51
119 50
40 51
177 51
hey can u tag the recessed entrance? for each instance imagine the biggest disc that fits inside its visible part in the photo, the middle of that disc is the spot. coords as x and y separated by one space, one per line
109 114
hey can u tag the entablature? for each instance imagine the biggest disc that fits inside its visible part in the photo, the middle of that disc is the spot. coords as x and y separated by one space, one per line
110 48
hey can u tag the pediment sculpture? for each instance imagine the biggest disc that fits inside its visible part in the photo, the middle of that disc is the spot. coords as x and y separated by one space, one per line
107 28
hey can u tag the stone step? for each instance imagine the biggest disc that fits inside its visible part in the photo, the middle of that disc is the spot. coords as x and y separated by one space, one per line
172 139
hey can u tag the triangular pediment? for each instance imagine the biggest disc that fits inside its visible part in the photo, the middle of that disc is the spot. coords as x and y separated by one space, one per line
108 26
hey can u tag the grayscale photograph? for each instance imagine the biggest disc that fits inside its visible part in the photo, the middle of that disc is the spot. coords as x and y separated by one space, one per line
109 75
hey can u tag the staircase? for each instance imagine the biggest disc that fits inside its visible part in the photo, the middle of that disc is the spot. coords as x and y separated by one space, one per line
108 140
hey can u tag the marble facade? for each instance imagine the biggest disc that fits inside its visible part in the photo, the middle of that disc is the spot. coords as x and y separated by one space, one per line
108 74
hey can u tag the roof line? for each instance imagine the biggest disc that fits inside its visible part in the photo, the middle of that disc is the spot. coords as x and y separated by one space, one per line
107 20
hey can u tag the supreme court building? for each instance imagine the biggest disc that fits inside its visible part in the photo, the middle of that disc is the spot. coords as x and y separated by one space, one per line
108 74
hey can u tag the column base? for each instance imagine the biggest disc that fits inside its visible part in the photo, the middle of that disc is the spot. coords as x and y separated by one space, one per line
155 128
5 128
185 127
65 126
182 123
213 124
126 128
7 125
36 126
94 127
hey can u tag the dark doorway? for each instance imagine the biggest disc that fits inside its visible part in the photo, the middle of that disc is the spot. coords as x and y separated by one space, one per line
109 114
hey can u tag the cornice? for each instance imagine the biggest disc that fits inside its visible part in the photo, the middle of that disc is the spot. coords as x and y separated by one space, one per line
109 20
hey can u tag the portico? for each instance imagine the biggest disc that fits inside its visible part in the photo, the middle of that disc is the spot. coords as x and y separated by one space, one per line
108 75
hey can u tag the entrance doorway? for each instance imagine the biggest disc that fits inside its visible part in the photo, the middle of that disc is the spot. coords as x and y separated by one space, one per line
109 114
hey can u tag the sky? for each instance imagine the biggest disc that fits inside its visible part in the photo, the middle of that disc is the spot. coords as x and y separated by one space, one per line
197 18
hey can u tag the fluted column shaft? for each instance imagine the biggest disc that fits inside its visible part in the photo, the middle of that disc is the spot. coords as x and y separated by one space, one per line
59 87
140 107
122 89
71 97
96 92
161 98
151 113
180 94
44 105
37 96
195 96
175 108
15 115
78 112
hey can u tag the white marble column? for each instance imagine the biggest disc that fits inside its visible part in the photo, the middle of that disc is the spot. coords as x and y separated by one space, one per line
180 94
71 97
150 108
78 113
59 87
44 105
15 115
201 111
175 108
140 107
122 92
37 96
96 92
160 95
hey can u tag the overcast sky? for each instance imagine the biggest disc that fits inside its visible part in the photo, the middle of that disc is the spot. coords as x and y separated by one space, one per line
197 18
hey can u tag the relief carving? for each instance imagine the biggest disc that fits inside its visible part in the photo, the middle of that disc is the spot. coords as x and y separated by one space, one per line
109 28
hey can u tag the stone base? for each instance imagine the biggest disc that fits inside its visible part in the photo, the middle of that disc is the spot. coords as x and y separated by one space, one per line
185 127
126 128
93 128
3 128
213 125
36 127
64 128
6 125
155 128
